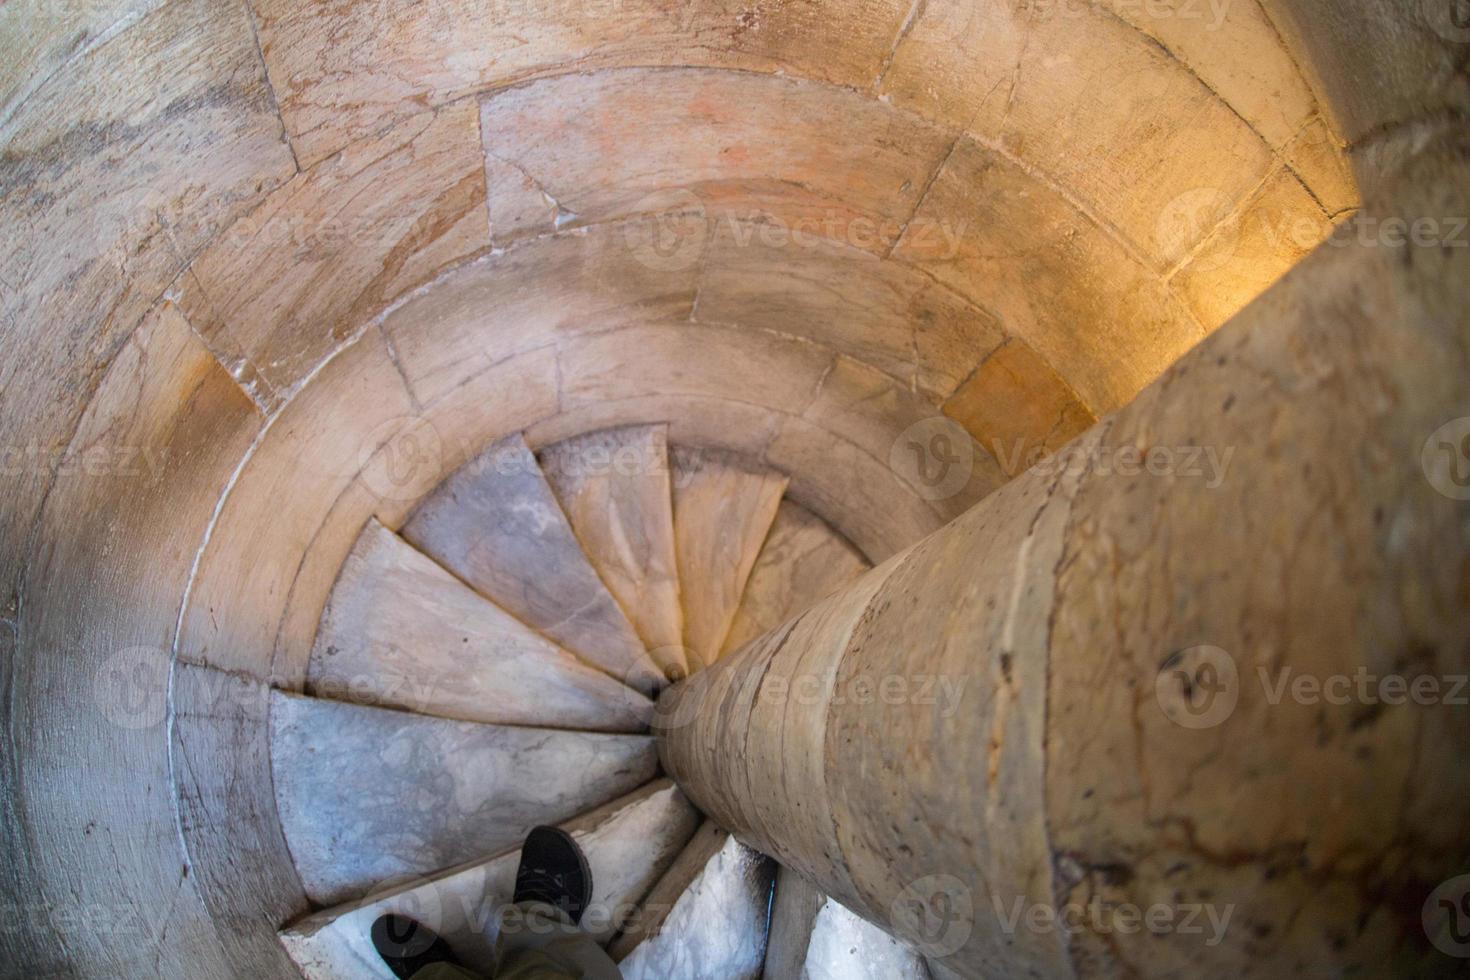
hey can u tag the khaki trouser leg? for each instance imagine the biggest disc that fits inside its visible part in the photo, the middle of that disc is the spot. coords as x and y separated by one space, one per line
443 971
539 943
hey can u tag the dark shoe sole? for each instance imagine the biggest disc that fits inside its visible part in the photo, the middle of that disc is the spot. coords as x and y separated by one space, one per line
408 946
582 866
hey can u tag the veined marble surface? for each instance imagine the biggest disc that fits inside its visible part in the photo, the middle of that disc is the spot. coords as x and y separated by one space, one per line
369 794
497 525
659 903
717 928
802 562
722 512
846 947
400 631
614 487
629 843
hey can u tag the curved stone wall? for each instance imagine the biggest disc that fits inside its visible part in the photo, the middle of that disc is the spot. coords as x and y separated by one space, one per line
256 250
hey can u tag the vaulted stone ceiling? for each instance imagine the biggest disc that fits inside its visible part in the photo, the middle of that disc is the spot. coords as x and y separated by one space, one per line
274 237
1066 196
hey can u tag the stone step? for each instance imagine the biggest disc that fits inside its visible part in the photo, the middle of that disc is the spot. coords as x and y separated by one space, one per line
816 938
368 794
614 488
722 512
656 907
629 844
496 524
717 927
399 631
844 946
793 914
802 561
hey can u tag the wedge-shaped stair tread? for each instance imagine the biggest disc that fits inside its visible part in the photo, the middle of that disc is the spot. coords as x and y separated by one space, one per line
846 947
716 929
400 631
802 562
614 488
496 524
793 914
688 866
722 513
629 844
368 794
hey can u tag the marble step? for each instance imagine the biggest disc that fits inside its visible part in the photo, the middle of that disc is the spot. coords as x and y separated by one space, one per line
614 487
368 794
399 631
722 513
844 946
629 843
802 561
716 929
655 908
793 914
497 525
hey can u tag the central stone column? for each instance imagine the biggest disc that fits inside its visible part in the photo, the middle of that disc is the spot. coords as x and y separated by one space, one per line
1187 698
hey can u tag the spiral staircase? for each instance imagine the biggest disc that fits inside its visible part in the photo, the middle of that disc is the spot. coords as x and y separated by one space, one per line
419 421
490 666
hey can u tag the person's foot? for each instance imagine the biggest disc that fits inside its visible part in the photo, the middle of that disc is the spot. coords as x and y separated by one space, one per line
554 872
408 946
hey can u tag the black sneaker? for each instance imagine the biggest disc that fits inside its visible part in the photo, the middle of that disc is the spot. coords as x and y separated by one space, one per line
408 946
554 872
